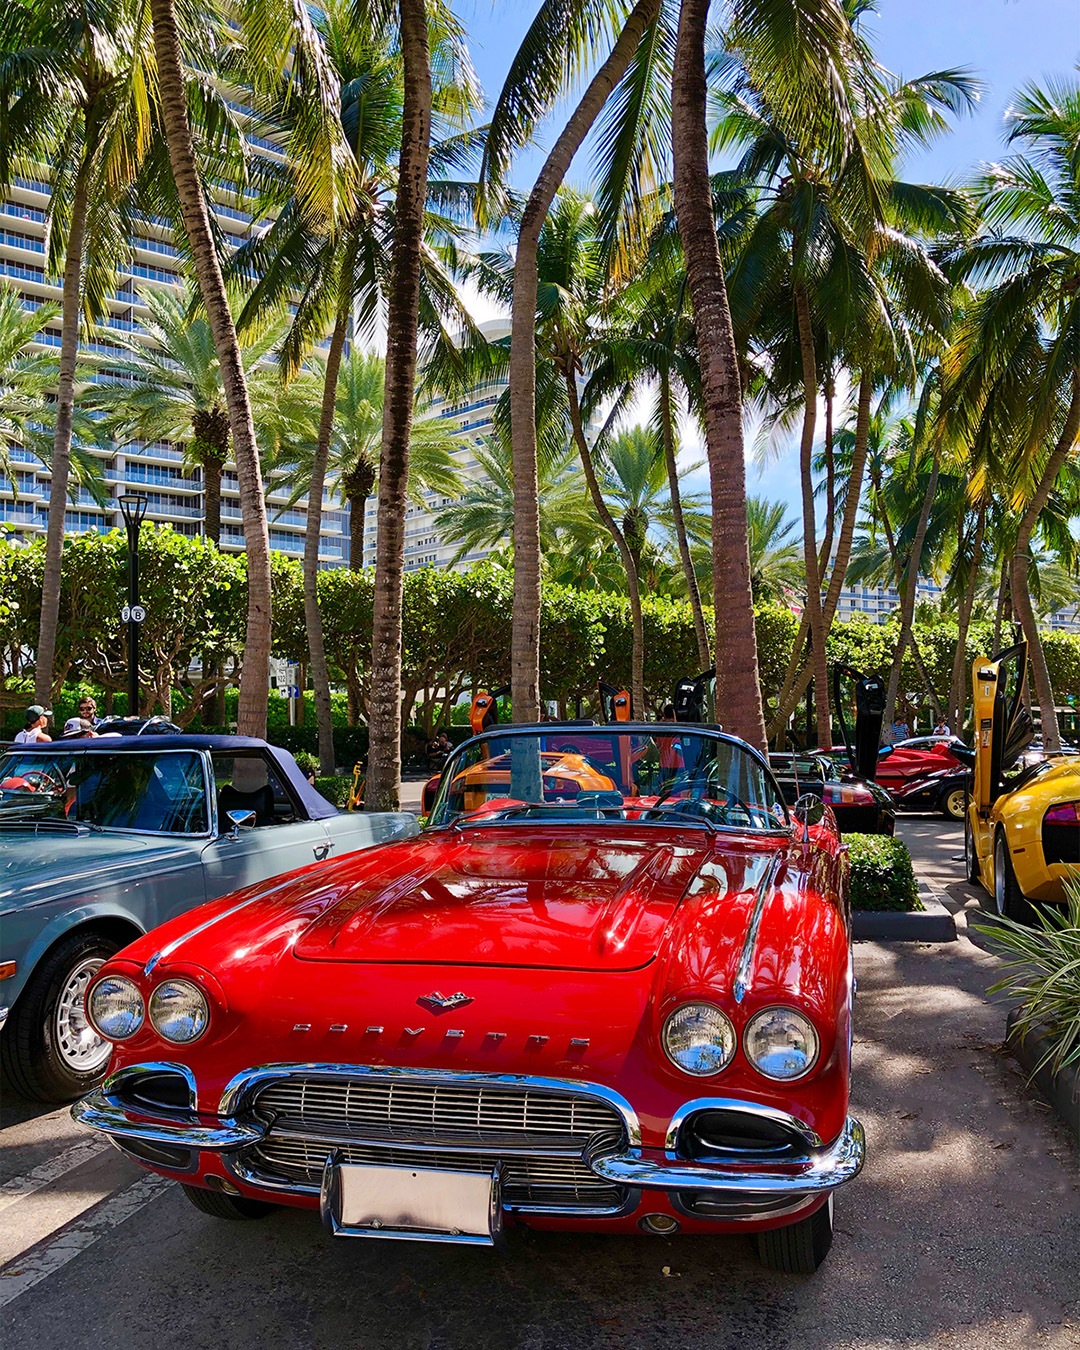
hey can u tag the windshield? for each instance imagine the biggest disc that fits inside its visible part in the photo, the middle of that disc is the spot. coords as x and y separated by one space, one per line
598 774
162 792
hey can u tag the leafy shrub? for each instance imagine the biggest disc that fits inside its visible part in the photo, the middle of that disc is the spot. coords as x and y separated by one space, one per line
306 762
1044 975
335 789
882 877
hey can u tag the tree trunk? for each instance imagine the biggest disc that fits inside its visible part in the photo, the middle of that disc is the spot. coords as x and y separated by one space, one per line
668 433
999 607
212 474
320 675
525 631
384 711
738 689
818 656
908 591
959 678
357 521
45 656
255 673
829 394
629 562
1020 567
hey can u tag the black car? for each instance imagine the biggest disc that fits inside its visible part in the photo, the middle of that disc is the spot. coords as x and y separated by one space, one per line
860 806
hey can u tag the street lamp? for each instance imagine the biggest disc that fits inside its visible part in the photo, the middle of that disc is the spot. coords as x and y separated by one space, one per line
133 508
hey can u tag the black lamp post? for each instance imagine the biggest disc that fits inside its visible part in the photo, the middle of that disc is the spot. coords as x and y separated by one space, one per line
133 508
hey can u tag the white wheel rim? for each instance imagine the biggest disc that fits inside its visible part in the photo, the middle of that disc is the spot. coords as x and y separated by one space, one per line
999 878
78 1044
954 804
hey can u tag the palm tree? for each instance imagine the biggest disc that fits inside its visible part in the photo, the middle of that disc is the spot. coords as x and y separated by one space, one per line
352 454
172 390
274 31
77 90
1012 386
775 566
637 488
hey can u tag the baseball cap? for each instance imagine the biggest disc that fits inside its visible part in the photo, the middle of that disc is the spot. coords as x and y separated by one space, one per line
36 710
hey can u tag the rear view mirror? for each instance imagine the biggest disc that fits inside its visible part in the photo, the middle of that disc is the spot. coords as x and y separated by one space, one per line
808 810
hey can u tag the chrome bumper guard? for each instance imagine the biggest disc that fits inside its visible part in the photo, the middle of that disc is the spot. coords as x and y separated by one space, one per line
104 1112
821 1170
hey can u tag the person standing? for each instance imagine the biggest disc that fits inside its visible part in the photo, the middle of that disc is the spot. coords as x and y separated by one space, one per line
36 728
941 729
86 720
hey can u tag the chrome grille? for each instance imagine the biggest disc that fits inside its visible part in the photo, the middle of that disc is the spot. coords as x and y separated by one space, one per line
539 1135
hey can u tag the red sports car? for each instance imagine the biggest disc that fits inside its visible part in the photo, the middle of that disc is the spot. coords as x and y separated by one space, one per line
907 761
620 1007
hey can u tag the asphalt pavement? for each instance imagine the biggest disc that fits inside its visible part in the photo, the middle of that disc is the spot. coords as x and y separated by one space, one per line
963 1230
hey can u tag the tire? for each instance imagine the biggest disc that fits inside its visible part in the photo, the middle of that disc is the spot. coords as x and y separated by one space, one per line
800 1248
48 1052
221 1206
971 857
954 804
1009 901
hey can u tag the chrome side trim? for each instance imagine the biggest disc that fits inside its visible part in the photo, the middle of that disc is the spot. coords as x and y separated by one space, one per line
99 1112
742 1213
240 1089
5 1013
832 1167
741 986
770 1113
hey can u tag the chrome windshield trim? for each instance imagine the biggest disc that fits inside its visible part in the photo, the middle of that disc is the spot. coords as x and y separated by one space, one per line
828 1169
759 1109
240 1089
741 986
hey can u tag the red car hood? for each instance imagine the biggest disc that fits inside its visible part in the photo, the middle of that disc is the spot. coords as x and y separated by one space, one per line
483 898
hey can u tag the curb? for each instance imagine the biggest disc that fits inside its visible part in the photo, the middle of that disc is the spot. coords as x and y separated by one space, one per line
935 924
1061 1089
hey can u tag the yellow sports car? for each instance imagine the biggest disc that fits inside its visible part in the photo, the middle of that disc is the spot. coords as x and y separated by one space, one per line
1022 831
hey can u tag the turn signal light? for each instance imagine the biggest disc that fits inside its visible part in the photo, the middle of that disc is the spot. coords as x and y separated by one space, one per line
7 969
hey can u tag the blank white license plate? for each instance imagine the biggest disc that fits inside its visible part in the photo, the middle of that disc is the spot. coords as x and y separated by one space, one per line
365 1200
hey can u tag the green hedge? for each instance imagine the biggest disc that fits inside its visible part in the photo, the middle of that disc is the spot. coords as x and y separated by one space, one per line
335 790
882 877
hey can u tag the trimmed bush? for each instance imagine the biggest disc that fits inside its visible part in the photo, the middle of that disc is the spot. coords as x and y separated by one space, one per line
335 789
882 877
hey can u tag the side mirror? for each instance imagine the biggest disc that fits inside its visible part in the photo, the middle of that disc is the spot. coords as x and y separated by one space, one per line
240 818
808 810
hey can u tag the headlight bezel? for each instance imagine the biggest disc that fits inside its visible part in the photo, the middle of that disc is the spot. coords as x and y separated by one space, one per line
93 992
730 1042
178 982
814 1038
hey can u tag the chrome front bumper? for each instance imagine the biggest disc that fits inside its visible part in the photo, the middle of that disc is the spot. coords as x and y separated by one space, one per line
820 1170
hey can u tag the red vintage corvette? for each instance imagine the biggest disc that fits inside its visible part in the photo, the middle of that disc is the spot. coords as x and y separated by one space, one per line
613 1004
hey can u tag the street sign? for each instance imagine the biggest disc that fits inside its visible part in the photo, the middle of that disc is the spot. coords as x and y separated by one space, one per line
293 691
133 614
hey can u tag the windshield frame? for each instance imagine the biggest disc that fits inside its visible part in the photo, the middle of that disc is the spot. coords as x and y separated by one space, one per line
57 749
651 729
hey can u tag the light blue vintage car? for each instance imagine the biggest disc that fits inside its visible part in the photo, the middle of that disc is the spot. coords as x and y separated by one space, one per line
103 839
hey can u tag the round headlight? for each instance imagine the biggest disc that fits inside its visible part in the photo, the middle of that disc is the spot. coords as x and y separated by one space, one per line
179 1011
781 1043
699 1039
116 1008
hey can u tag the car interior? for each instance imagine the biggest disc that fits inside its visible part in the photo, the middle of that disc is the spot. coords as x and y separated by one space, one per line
249 782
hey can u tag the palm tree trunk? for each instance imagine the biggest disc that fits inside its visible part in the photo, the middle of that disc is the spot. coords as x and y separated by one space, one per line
668 433
384 709
525 631
320 674
908 592
45 656
1021 565
212 474
828 393
959 677
255 673
357 523
629 562
999 607
819 657
738 689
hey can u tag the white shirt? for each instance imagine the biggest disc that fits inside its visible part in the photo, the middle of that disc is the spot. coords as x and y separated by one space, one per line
31 735
941 731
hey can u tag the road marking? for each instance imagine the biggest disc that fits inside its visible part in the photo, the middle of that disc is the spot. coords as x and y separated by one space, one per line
48 1172
26 1271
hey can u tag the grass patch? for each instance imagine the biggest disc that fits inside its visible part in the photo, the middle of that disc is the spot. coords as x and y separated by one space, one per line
882 877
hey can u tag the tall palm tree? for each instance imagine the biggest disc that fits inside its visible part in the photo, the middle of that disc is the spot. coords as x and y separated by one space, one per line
1013 375
281 52
352 458
77 92
637 488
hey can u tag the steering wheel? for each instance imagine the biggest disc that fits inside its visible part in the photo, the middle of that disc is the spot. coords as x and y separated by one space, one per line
40 781
693 806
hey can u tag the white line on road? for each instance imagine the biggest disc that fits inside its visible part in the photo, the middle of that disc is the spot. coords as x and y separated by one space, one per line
26 1271
48 1172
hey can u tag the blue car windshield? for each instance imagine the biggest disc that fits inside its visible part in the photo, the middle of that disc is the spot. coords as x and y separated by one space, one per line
671 775
163 792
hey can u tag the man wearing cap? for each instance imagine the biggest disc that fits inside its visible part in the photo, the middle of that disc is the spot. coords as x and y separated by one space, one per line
37 719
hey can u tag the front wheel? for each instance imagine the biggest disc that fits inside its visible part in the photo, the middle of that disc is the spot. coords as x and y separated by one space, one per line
800 1248
50 1052
971 855
954 804
221 1206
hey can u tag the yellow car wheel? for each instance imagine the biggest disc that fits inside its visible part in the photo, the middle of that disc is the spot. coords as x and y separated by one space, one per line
1009 900
971 856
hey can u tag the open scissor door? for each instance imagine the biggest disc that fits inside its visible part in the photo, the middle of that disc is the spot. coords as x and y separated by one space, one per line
1003 725
862 747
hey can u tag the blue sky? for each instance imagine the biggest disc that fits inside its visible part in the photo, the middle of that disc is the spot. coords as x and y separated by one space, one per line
1006 42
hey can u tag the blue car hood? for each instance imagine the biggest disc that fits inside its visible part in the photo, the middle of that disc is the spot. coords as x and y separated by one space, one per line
35 866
